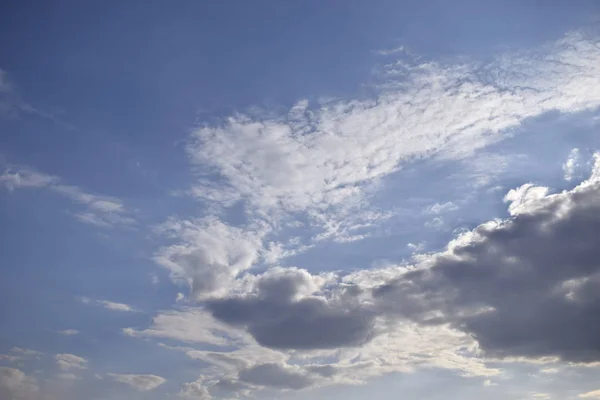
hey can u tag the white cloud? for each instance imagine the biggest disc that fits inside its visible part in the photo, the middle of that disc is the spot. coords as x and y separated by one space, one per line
17 354
142 383
110 305
103 211
319 160
70 362
15 385
572 164
210 254
439 208
488 383
590 395
191 326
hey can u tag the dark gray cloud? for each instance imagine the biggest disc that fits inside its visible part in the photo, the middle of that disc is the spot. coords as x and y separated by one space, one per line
527 286
310 323
274 376
537 274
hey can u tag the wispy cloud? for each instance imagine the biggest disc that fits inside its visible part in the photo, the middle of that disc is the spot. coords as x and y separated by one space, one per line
109 305
142 383
98 210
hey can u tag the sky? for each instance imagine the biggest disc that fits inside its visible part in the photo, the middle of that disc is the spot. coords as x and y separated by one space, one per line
299 200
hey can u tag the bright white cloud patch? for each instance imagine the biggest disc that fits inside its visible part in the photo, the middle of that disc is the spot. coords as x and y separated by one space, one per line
110 305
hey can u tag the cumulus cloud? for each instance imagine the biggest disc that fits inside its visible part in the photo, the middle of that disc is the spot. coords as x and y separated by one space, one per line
210 254
572 164
142 383
15 385
523 287
319 165
70 362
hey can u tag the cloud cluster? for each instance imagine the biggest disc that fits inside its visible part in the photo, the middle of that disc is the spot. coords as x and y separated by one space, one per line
524 287
317 166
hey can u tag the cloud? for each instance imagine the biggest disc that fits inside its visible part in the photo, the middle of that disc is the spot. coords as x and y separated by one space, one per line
278 315
15 385
70 362
141 383
523 287
69 332
189 325
519 288
321 161
104 211
210 255
590 395
109 305
20 354
275 376
439 208
572 164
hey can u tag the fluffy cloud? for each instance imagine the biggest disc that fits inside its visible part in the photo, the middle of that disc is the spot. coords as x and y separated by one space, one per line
142 383
523 287
318 165
320 161
15 385
210 255
70 362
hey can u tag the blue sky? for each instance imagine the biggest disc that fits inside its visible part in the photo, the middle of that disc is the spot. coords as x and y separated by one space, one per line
290 200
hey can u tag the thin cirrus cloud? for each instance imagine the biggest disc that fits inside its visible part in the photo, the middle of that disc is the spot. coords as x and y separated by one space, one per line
109 305
103 211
